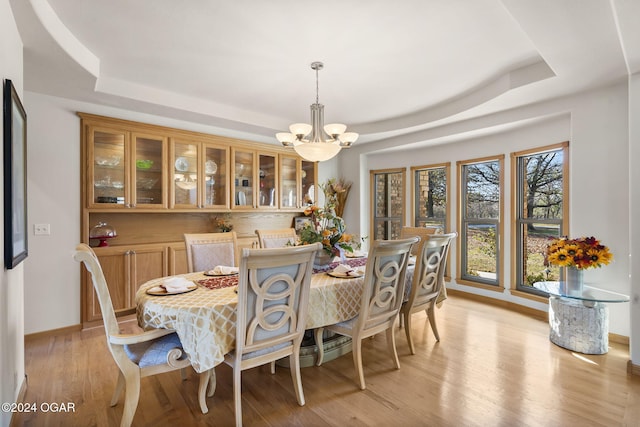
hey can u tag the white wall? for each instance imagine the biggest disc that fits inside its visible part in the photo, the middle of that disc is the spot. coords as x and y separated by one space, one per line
596 125
11 281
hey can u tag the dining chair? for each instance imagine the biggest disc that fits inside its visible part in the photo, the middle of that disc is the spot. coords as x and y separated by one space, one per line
422 232
276 238
136 355
382 296
273 298
427 283
207 250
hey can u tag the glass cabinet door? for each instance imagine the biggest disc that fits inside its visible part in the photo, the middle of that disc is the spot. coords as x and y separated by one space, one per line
243 179
268 177
107 168
216 175
184 166
148 182
288 182
308 183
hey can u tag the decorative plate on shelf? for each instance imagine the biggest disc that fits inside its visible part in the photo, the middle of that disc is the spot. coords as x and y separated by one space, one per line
210 166
182 164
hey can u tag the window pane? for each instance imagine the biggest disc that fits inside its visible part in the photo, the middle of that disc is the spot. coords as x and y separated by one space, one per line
430 197
483 190
542 190
482 251
536 237
388 209
396 201
381 195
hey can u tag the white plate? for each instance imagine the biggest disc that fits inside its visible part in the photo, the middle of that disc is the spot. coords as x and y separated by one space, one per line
209 273
242 198
353 275
210 166
160 291
354 255
182 164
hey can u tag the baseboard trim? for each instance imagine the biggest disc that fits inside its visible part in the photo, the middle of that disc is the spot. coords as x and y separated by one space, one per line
53 332
633 369
538 314
528 311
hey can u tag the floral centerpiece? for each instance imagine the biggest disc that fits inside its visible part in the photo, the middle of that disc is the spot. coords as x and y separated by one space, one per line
577 255
223 223
327 228
338 189
582 253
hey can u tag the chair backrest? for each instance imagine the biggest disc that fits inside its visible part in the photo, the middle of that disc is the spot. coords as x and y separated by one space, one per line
278 238
207 250
383 290
85 254
422 232
428 276
273 298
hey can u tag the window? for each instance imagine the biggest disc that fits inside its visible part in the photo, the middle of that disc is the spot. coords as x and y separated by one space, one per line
480 214
388 189
539 193
430 196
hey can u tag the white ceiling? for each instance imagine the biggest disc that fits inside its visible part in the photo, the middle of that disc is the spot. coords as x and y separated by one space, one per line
391 68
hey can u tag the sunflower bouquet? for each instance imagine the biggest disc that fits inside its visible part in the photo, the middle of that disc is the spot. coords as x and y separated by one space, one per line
581 253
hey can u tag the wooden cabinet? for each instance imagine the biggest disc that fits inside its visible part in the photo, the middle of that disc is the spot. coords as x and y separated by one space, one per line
125 169
153 184
199 175
125 269
255 183
297 182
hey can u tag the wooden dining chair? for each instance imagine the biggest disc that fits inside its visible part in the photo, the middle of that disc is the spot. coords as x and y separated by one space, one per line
422 232
136 355
428 282
277 238
273 298
207 250
382 296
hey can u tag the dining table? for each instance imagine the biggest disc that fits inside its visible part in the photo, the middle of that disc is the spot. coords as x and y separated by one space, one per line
205 317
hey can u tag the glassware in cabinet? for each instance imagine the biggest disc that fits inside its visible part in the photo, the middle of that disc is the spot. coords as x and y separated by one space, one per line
243 179
216 176
289 182
184 175
149 171
308 180
267 178
107 150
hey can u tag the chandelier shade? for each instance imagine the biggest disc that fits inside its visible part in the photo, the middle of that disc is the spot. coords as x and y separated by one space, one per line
325 142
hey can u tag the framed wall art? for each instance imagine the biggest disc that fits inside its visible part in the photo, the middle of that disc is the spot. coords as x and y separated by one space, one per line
15 177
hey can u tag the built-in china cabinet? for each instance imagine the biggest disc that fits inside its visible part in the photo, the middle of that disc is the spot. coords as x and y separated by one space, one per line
153 184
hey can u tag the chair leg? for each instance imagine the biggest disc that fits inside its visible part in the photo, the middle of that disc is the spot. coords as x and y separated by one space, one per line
183 374
212 383
202 388
391 343
118 390
407 331
357 360
273 367
237 397
318 336
294 366
131 396
432 320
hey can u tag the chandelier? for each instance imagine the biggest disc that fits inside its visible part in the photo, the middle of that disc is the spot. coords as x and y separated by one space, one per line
325 141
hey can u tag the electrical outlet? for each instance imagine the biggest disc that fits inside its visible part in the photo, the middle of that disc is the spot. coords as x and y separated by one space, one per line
42 229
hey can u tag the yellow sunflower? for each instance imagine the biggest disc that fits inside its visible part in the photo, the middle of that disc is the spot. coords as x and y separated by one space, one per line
560 257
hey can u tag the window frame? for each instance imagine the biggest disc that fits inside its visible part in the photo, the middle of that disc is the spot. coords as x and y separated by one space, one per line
372 186
517 221
462 222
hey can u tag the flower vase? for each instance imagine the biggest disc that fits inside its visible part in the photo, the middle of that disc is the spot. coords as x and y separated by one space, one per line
575 281
322 260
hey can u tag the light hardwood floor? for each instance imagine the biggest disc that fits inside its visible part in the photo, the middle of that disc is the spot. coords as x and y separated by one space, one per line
493 367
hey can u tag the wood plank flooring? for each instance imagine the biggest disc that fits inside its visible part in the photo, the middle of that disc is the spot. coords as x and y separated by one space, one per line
493 367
